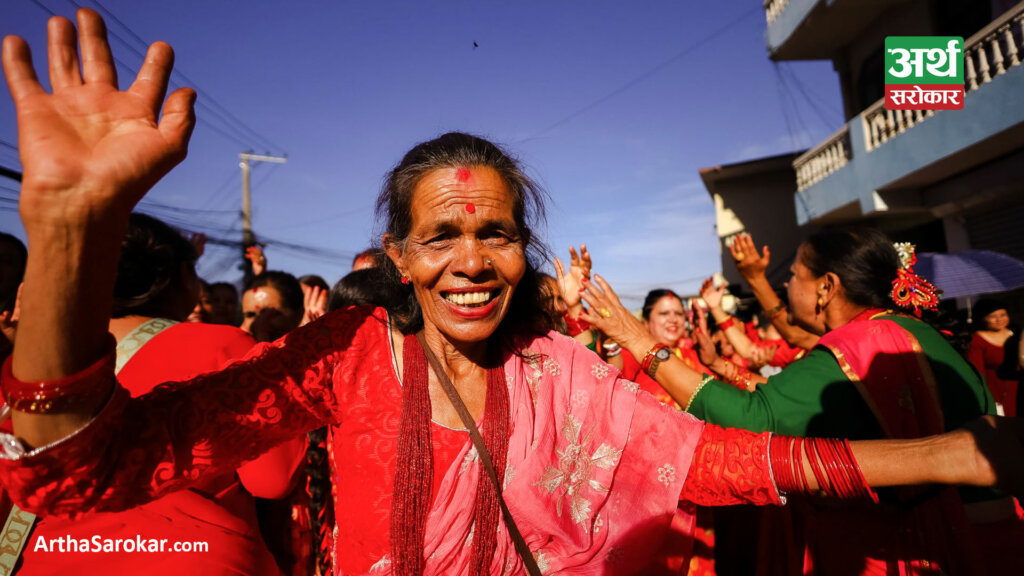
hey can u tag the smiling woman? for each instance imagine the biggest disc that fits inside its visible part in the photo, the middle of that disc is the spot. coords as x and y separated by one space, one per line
589 468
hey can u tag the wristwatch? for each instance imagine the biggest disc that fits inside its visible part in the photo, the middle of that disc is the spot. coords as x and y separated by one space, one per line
657 355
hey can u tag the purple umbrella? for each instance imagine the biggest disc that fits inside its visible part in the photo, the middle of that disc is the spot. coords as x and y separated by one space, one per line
970 272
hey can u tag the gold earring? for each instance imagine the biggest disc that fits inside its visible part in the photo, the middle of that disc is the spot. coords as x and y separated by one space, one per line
821 301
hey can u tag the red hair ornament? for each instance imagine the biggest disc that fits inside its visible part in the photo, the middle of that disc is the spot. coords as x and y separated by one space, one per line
909 290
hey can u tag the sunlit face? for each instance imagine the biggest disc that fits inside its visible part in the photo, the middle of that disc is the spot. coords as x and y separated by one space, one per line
996 321
463 256
802 289
264 314
667 320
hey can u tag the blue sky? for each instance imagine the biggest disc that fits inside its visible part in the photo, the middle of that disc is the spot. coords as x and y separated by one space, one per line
612 107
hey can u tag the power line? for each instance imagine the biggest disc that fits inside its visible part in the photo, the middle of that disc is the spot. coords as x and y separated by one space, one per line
649 73
782 105
794 81
188 81
234 130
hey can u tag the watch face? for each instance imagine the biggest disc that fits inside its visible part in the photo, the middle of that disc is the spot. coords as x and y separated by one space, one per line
663 354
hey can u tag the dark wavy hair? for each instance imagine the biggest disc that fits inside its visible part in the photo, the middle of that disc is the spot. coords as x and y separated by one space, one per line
11 284
394 208
652 298
358 288
285 284
864 259
149 273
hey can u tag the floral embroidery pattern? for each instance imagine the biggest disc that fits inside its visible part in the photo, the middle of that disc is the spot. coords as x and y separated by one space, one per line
667 474
510 473
380 564
579 400
575 467
630 386
599 370
470 457
542 561
598 522
552 367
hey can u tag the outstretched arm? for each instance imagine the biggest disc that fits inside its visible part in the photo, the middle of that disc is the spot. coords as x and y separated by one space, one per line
752 265
89 153
733 466
733 330
609 315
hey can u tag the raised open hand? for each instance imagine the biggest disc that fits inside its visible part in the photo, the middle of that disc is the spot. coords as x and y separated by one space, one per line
711 295
314 303
89 150
749 262
254 254
571 283
705 347
608 315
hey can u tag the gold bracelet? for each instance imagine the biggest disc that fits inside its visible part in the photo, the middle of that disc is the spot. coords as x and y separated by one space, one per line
707 378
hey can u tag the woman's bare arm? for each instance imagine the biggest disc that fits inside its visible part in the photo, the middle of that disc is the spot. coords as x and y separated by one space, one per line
89 153
752 266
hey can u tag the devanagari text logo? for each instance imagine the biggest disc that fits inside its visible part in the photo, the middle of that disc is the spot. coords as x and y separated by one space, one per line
924 73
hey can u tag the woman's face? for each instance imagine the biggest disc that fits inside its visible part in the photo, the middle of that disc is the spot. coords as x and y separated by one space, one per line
997 320
802 289
667 320
265 316
463 255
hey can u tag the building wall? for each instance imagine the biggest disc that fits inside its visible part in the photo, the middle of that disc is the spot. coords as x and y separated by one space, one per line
761 205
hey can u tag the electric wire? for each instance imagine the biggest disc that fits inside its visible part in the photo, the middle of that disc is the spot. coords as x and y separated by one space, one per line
703 41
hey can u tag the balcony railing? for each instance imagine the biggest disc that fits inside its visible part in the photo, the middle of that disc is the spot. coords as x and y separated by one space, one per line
772 9
987 54
824 159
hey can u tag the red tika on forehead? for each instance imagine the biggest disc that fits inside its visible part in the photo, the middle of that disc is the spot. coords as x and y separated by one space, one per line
462 175
470 208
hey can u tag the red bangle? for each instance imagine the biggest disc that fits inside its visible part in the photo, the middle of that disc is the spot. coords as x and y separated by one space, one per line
645 366
575 326
727 324
60 395
780 457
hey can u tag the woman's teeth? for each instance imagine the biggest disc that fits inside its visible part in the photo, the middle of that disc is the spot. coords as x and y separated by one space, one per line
468 298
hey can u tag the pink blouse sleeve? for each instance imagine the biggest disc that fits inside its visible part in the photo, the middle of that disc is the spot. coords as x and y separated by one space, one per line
138 449
730 466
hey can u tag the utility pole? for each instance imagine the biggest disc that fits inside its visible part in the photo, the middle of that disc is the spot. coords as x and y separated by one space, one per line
247 237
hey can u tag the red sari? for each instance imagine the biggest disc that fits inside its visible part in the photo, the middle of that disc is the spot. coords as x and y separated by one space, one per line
594 471
219 511
988 359
890 370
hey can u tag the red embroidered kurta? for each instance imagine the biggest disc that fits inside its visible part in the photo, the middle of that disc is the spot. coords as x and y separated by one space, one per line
219 512
340 370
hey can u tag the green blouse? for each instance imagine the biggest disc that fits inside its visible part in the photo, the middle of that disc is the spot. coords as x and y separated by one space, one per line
812 396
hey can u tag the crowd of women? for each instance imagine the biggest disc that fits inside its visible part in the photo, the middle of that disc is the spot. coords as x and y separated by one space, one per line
448 408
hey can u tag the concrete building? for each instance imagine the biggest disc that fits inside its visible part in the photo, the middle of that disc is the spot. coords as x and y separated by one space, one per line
946 180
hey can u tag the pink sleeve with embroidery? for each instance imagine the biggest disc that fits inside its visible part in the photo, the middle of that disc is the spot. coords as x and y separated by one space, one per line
138 449
730 466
